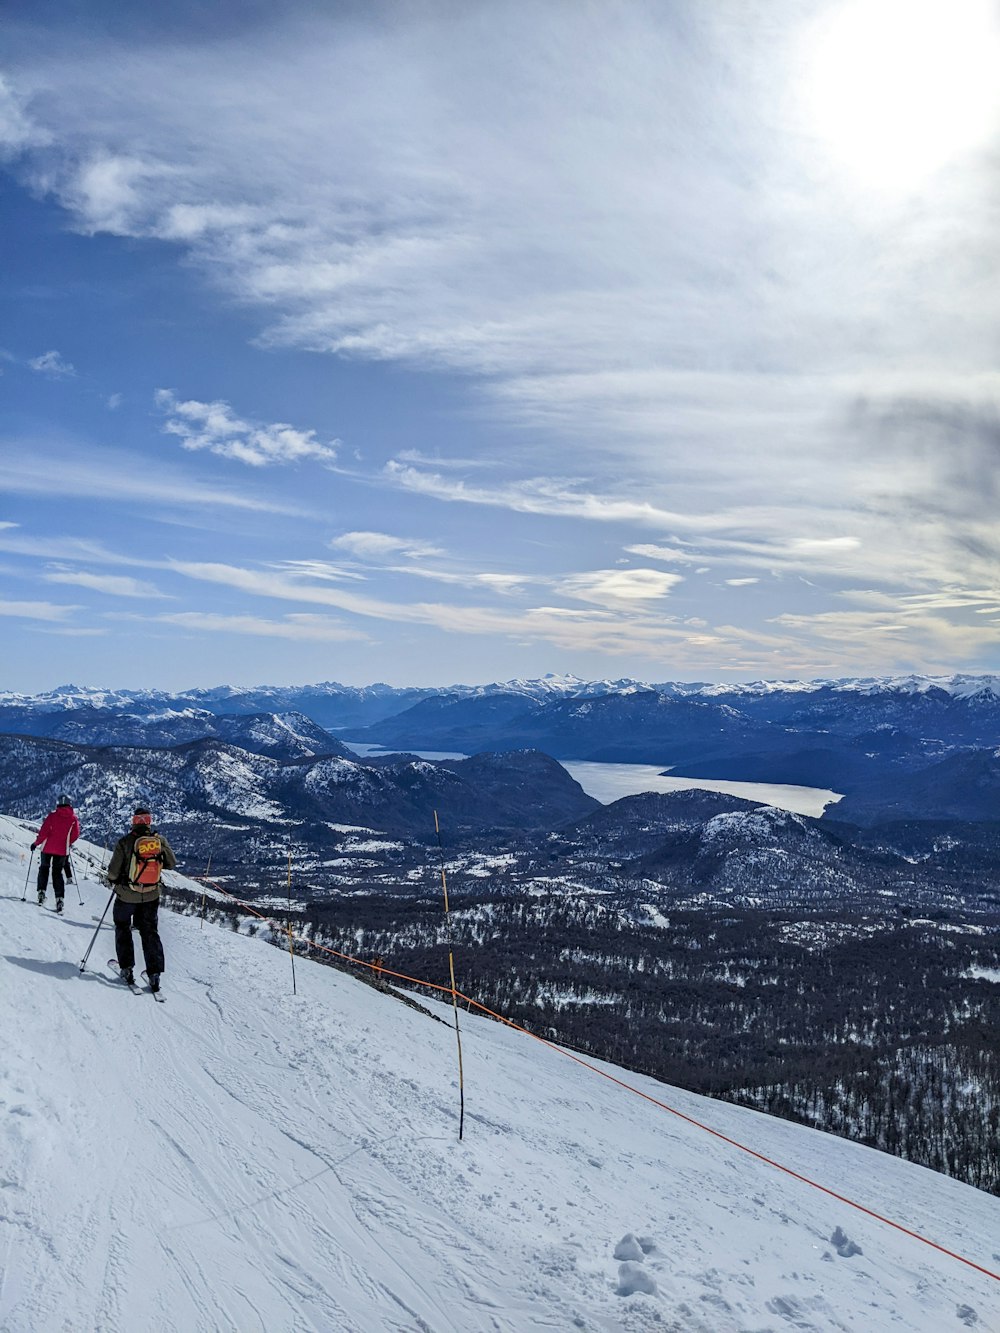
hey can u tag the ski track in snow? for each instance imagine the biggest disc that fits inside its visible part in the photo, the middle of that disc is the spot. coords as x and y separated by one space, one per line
244 1159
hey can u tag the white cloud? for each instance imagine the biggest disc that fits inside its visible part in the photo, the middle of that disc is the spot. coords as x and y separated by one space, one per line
505 583
671 554
114 585
36 610
741 583
609 587
544 495
446 462
599 630
70 549
27 466
320 569
81 632
17 131
214 426
304 628
652 266
114 401
380 545
53 365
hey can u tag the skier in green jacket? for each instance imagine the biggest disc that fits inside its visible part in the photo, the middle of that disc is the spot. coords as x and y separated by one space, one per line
134 874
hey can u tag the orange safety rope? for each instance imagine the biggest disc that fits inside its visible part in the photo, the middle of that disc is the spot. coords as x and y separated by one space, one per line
628 1087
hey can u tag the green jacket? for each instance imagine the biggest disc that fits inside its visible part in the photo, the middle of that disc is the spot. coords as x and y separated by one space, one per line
121 859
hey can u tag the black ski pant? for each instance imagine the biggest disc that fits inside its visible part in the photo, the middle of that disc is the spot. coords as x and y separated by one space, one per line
143 917
59 866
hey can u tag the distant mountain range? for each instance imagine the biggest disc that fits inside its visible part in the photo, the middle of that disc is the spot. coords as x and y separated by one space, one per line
334 705
899 747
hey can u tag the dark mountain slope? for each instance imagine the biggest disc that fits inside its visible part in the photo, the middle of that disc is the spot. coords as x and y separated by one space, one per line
280 735
640 726
963 786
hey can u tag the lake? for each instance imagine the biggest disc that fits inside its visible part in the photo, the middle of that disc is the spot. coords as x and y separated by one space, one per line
610 782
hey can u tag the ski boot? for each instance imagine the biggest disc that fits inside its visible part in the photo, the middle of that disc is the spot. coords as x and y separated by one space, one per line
154 980
41 897
59 906
127 975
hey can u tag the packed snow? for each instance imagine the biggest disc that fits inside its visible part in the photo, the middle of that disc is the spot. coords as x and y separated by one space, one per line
242 1158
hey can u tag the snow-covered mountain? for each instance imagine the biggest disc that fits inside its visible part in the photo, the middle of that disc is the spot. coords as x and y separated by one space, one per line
233 698
278 735
210 781
862 737
245 1158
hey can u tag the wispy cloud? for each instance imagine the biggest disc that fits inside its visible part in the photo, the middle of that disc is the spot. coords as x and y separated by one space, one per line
28 466
302 627
18 132
323 570
669 554
546 496
611 587
381 545
217 428
69 549
663 279
52 364
602 630
36 610
113 585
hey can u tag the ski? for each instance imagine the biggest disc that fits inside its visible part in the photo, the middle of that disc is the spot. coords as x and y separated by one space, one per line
160 999
113 964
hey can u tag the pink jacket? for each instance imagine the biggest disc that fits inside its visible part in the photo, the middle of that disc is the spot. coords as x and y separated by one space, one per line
59 831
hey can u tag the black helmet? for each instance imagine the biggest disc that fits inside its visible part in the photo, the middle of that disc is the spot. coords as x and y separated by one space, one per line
63 799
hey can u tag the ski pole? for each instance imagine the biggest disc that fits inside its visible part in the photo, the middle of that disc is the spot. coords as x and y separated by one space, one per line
75 881
24 895
99 925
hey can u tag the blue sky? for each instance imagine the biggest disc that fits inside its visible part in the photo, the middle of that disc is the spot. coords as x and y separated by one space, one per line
437 342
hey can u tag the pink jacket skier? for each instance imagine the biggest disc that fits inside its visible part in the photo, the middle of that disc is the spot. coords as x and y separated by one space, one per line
60 829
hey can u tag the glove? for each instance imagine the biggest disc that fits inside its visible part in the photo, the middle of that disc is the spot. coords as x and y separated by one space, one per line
34 845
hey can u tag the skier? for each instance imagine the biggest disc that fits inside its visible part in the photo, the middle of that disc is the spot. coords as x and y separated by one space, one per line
134 874
60 829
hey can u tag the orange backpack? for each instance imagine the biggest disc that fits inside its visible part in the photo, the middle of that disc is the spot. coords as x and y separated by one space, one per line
147 860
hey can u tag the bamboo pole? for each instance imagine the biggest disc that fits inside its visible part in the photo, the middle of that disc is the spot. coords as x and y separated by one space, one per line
204 891
454 991
291 938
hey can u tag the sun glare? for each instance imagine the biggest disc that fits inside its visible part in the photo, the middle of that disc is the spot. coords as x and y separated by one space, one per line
898 89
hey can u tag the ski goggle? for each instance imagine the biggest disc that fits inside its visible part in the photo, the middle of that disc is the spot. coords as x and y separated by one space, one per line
142 820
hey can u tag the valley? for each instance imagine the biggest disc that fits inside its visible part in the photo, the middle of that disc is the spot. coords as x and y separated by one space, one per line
835 968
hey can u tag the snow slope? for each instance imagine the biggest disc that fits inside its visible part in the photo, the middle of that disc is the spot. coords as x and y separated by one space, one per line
240 1158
